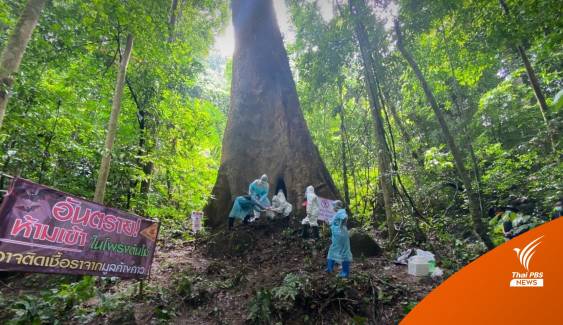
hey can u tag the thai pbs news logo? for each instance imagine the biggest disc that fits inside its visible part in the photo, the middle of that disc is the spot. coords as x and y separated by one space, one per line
528 278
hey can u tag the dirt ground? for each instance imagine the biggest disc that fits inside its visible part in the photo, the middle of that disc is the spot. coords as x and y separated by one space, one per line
215 279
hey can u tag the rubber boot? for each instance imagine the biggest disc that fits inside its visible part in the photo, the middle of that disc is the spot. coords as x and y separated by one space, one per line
246 219
305 231
315 231
329 265
231 223
345 270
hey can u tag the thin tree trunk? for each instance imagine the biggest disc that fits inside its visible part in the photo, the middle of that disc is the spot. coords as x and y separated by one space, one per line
142 115
457 96
172 21
7 161
344 166
384 160
394 160
49 140
15 49
474 205
148 166
132 184
343 148
475 164
112 126
368 164
544 109
11 145
535 83
415 153
352 167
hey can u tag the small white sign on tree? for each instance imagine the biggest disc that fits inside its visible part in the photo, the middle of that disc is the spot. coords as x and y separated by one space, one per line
196 221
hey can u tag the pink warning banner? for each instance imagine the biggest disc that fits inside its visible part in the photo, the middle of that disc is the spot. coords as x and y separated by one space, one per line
48 231
326 211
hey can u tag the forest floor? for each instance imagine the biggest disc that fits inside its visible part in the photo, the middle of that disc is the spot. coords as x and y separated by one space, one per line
258 273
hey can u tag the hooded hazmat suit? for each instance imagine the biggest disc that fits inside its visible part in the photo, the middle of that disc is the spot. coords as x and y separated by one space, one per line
280 204
339 251
313 207
242 207
259 189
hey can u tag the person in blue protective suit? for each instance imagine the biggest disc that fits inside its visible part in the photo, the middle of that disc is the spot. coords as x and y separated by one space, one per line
241 210
258 191
339 251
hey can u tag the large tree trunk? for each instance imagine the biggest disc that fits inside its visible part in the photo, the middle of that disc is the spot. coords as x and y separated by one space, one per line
112 126
15 49
266 131
383 156
474 205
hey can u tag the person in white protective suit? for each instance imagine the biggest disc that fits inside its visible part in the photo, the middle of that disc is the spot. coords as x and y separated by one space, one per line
281 206
313 209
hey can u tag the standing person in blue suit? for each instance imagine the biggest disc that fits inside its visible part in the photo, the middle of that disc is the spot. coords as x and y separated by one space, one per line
339 251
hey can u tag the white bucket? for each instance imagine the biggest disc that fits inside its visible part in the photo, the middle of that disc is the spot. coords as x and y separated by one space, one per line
418 266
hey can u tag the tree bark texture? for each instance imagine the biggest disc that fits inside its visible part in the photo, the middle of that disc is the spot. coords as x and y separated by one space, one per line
383 155
15 49
112 126
474 205
266 132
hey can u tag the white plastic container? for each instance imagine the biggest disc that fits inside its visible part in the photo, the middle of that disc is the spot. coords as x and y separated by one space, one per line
418 266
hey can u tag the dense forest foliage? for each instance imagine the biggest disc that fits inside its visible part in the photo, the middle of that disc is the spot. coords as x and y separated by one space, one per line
166 151
467 52
427 114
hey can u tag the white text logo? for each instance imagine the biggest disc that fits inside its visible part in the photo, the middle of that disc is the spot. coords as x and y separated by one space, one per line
527 279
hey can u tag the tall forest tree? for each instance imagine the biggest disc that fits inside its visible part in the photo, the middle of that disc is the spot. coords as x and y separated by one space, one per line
357 8
474 205
266 131
15 49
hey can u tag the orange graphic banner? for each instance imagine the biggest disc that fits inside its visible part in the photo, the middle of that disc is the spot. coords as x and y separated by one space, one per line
519 282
